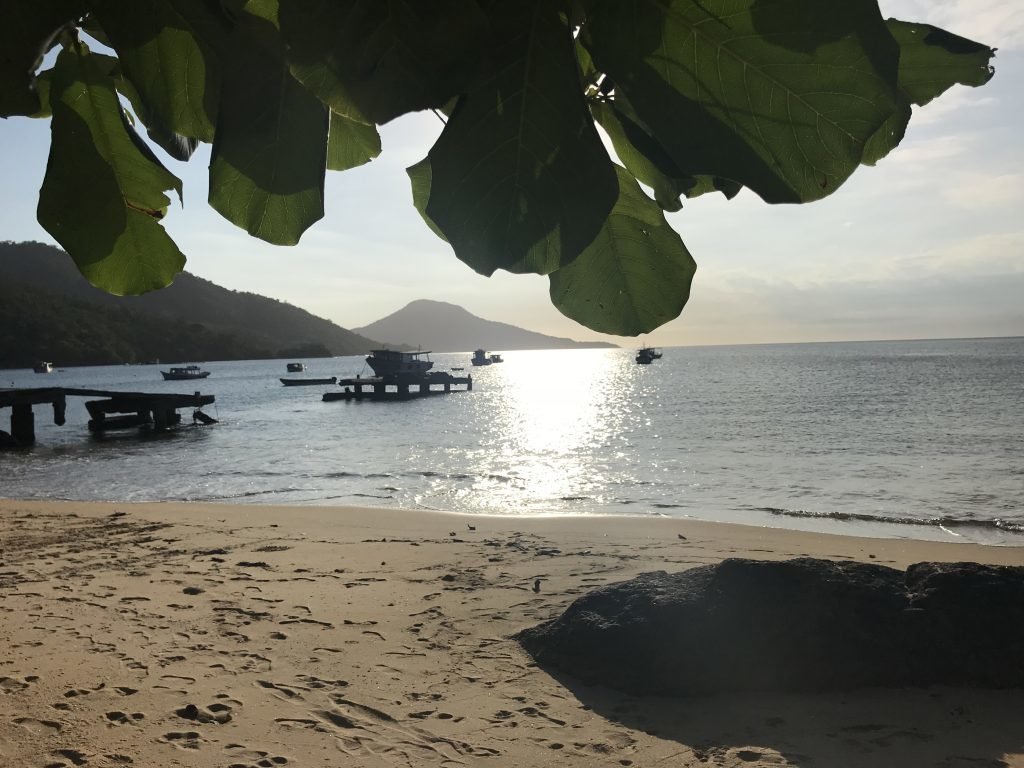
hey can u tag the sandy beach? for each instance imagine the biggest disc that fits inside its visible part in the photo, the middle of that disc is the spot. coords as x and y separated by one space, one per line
242 636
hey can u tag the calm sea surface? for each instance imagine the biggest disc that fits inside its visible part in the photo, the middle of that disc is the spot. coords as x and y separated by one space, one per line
915 439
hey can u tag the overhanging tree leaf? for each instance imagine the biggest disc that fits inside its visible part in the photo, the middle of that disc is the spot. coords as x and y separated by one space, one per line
176 75
634 276
648 161
350 143
103 194
27 30
420 178
933 60
373 60
520 179
778 95
270 151
177 146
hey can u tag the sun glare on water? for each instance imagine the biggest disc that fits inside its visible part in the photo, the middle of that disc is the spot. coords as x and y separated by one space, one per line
553 416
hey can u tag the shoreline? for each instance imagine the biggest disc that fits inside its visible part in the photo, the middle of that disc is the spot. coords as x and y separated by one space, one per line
211 634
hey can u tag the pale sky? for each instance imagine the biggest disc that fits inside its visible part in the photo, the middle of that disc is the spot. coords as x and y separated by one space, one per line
928 244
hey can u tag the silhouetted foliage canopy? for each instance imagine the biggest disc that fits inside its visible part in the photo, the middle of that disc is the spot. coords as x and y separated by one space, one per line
784 97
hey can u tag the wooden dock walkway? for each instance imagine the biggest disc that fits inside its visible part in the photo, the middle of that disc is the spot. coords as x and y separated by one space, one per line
400 387
158 411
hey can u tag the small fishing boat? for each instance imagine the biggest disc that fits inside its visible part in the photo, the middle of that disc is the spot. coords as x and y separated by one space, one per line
309 382
480 358
496 359
295 367
43 367
646 355
184 373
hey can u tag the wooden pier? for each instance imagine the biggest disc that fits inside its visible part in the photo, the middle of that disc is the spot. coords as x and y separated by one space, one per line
157 411
383 388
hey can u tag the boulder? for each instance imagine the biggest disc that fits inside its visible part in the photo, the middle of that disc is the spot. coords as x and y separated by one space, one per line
797 625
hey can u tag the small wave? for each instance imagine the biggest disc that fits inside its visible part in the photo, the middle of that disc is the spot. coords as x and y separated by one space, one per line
665 505
935 522
575 498
371 496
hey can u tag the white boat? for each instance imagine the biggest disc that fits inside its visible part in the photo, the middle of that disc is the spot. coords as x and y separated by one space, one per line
184 373
391 362
43 367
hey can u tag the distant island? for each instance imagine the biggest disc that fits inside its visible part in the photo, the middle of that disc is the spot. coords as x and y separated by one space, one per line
49 312
441 327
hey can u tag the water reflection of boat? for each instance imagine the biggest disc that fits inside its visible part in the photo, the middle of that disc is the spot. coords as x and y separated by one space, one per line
184 373
391 362
295 367
480 358
309 382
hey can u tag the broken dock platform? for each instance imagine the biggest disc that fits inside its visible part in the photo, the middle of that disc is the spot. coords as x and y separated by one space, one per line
384 388
157 411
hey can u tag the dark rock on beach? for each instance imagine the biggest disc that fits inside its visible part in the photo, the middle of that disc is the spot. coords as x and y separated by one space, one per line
796 625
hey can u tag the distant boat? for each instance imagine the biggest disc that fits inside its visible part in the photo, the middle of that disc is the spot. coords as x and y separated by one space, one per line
480 358
647 355
496 359
43 367
184 373
391 362
308 382
295 367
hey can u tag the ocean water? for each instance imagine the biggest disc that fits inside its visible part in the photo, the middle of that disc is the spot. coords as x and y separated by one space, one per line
921 439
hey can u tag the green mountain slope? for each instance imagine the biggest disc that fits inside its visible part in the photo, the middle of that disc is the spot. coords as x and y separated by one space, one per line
48 311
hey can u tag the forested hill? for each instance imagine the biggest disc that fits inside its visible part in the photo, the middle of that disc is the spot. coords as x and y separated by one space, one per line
49 312
442 327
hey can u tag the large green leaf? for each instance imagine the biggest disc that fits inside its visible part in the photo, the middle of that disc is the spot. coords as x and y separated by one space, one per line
27 28
420 178
520 178
103 194
648 161
270 151
175 73
373 60
350 143
933 60
636 274
778 95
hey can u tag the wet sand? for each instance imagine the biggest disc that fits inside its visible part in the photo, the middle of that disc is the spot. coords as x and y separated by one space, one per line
242 636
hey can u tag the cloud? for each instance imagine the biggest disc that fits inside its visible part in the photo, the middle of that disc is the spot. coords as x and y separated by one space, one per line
999 23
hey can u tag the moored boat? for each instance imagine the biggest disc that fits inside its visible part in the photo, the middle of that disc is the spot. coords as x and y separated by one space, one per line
295 367
184 373
480 357
309 382
391 362
43 367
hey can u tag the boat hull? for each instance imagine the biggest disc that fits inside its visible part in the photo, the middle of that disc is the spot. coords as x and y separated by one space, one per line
309 382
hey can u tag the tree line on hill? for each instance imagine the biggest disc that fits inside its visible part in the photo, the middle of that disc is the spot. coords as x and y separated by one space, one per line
47 312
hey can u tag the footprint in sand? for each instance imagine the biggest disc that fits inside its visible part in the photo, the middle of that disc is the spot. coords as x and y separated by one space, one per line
38 726
12 685
255 758
218 712
183 739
